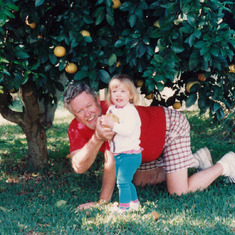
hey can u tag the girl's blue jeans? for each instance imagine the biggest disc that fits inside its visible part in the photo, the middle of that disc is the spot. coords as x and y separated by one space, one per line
126 166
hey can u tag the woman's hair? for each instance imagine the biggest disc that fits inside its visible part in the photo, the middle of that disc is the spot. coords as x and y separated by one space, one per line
75 89
127 81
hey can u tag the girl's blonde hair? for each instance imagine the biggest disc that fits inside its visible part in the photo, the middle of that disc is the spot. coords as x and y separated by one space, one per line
127 81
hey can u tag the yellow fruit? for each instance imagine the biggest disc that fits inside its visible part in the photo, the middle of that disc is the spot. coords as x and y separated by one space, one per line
139 82
115 118
232 68
156 24
32 25
59 51
118 64
85 33
177 105
71 68
150 96
201 77
116 4
13 90
190 84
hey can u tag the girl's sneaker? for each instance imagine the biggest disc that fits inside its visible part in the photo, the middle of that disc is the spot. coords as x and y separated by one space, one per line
135 206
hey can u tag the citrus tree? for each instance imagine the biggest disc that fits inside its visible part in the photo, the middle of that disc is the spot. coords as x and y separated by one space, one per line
186 45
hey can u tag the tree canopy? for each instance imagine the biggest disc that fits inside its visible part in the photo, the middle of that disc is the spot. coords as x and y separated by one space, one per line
164 43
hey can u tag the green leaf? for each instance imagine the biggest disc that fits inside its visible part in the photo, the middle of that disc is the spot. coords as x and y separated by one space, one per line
52 58
80 75
191 100
194 60
87 39
110 20
9 14
220 114
177 47
112 59
21 54
39 3
215 52
141 49
103 76
216 107
160 86
120 42
3 60
186 29
62 64
191 20
87 19
99 14
35 66
132 20
126 6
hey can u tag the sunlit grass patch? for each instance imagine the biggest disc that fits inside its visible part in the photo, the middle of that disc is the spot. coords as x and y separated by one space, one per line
46 202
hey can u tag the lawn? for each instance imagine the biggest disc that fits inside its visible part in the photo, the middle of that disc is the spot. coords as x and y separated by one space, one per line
46 202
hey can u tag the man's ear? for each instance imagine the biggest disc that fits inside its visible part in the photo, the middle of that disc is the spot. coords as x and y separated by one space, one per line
98 99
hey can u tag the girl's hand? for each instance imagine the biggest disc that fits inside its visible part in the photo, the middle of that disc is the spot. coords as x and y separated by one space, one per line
103 133
107 121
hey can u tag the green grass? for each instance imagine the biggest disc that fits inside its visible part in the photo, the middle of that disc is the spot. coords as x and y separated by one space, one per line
46 202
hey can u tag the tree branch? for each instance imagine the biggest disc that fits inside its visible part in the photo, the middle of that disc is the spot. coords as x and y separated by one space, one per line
12 116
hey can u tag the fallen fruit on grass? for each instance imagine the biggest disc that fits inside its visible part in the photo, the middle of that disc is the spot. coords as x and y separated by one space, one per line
201 77
71 68
177 105
190 84
155 215
59 51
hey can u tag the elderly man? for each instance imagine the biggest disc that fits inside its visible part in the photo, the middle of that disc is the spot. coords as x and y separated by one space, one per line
165 138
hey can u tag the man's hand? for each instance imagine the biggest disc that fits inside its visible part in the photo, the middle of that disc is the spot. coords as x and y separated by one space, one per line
103 133
87 205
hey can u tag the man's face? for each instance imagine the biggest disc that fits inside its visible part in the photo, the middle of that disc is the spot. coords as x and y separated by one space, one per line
86 109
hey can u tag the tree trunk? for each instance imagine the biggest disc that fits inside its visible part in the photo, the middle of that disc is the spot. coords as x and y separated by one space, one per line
37 145
35 117
29 121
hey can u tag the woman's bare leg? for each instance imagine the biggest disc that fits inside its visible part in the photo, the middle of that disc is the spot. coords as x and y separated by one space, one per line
179 182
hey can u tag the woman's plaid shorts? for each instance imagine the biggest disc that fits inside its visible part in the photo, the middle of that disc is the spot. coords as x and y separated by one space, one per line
177 154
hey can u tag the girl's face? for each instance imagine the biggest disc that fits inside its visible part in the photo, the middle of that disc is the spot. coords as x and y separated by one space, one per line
121 95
